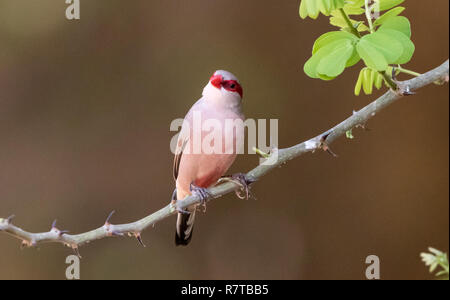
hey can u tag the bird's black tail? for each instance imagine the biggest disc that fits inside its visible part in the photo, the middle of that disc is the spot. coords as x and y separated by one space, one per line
185 227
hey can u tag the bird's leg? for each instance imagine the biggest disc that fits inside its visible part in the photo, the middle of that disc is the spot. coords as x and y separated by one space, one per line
201 192
176 203
243 182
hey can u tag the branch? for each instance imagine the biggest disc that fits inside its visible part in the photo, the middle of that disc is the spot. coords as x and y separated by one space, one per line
321 141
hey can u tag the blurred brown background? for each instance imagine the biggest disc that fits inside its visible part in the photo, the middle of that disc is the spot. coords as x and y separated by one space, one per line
85 108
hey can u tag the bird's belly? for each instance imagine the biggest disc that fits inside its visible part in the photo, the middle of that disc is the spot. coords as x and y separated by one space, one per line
213 169
203 170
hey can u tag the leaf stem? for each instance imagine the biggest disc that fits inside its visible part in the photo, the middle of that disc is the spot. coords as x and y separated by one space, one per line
349 23
389 80
368 15
409 72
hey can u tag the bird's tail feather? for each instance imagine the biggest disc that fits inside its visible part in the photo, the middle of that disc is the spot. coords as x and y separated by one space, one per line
185 227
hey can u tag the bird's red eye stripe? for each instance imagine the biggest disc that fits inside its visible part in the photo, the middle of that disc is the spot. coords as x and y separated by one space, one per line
229 85
232 86
216 80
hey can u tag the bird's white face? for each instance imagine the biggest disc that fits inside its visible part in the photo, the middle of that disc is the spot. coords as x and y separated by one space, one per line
224 88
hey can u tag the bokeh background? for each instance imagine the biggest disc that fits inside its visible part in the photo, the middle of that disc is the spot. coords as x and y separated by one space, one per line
85 108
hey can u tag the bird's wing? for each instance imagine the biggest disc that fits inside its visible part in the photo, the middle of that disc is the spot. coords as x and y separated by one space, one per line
184 137
181 145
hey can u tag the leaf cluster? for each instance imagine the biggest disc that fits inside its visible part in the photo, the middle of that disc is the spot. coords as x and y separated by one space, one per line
381 41
436 259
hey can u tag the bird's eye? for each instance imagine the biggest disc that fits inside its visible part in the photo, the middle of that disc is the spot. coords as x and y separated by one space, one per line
232 86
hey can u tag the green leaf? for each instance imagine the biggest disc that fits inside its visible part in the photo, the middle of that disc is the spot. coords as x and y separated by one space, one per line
354 59
433 266
380 49
312 8
325 6
435 251
349 134
372 58
386 45
330 37
354 7
303 11
434 259
407 44
338 20
330 57
389 14
311 67
398 23
399 29
335 62
387 4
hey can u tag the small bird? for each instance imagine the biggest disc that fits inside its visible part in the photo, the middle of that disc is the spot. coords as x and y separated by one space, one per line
194 172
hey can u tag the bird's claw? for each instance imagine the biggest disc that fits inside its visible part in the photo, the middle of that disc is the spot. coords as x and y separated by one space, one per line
176 205
243 182
202 193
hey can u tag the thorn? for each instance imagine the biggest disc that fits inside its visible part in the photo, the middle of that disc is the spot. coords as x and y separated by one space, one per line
324 137
9 219
116 233
54 224
443 80
23 245
330 152
324 145
27 244
76 251
363 126
109 217
137 235
394 75
403 90
406 91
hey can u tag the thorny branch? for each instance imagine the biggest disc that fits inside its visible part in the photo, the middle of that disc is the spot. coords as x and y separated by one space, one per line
322 141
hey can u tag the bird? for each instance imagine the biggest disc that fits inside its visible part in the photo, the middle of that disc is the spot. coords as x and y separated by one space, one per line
193 171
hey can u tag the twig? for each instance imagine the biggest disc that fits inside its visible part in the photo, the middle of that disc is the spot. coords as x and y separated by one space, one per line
353 29
321 141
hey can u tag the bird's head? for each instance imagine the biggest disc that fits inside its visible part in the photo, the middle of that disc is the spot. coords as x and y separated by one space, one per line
224 86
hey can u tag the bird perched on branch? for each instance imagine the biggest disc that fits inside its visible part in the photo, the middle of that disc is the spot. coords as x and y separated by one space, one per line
195 166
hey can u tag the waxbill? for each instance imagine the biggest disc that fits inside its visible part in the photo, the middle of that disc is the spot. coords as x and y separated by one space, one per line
195 171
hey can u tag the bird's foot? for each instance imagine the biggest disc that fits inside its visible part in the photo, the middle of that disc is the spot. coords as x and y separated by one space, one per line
202 193
181 210
176 204
242 181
